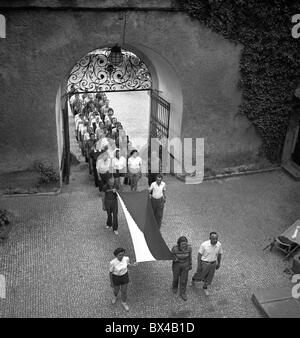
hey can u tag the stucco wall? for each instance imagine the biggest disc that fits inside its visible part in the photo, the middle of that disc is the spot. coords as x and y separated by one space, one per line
42 45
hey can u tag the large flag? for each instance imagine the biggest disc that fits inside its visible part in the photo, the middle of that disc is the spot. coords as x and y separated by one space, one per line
147 240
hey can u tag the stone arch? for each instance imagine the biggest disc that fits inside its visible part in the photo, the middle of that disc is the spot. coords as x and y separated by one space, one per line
164 79
95 72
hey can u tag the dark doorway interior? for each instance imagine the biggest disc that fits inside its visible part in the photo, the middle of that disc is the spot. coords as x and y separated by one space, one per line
296 152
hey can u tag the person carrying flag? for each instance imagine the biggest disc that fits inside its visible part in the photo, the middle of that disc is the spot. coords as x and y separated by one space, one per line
118 275
181 266
157 192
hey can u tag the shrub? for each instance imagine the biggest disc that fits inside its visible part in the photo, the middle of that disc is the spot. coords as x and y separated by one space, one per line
4 218
47 174
270 60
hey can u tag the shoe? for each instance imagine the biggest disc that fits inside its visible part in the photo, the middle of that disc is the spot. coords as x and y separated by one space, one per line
116 232
107 227
183 296
125 306
114 300
206 292
174 290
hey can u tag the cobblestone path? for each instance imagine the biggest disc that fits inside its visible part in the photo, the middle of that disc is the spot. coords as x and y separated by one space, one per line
56 258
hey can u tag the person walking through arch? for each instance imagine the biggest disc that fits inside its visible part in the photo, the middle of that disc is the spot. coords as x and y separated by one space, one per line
209 260
134 169
118 275
181 266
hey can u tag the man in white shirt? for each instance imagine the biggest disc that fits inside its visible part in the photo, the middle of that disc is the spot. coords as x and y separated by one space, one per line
157 192
209 260
104 109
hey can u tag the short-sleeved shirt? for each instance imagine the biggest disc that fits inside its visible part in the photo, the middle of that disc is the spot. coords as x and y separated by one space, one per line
119 163
86 136
117 267
134 164
183 256
82 129
102 143
210 252
157 190
104 110
102 165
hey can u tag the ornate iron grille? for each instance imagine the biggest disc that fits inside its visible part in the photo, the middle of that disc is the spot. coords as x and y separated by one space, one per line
160 116
95 73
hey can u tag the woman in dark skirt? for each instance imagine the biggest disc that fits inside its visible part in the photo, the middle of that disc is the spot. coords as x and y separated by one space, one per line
118 275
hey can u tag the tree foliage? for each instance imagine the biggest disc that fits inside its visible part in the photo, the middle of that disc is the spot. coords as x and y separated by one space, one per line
270 60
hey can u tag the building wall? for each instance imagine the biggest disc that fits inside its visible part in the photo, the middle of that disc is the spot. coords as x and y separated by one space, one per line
43 44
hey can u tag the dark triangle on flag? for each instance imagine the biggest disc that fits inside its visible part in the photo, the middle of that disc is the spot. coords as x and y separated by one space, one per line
139 206
136 204
158 247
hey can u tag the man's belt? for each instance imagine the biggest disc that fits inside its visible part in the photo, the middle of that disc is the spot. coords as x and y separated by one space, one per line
157 199
209 262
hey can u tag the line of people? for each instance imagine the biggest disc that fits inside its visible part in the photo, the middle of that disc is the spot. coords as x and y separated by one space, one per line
109 153
110 156
105 145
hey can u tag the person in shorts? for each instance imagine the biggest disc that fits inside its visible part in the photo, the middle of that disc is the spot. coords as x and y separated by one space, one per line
118 274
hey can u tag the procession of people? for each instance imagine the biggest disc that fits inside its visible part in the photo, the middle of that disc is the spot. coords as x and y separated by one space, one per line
114 163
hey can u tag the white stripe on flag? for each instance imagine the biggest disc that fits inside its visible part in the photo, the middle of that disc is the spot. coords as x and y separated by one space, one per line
142 252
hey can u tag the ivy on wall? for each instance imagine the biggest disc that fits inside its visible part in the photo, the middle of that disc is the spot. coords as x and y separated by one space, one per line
270 60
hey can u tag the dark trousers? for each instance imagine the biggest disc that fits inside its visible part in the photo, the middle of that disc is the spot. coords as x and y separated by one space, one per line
134 178
103 180
90 162
158 209
111 207
96 178
180 276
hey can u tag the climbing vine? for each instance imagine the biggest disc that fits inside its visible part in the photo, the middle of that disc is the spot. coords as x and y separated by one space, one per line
270 60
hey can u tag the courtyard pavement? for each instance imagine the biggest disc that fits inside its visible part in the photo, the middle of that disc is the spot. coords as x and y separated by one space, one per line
56 258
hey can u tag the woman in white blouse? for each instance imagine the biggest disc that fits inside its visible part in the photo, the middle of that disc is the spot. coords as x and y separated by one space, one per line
118 275
134 169
119 166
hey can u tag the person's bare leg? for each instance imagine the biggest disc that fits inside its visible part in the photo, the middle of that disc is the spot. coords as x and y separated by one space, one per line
124 296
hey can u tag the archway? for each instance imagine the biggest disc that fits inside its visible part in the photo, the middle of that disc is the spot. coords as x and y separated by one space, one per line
165 85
